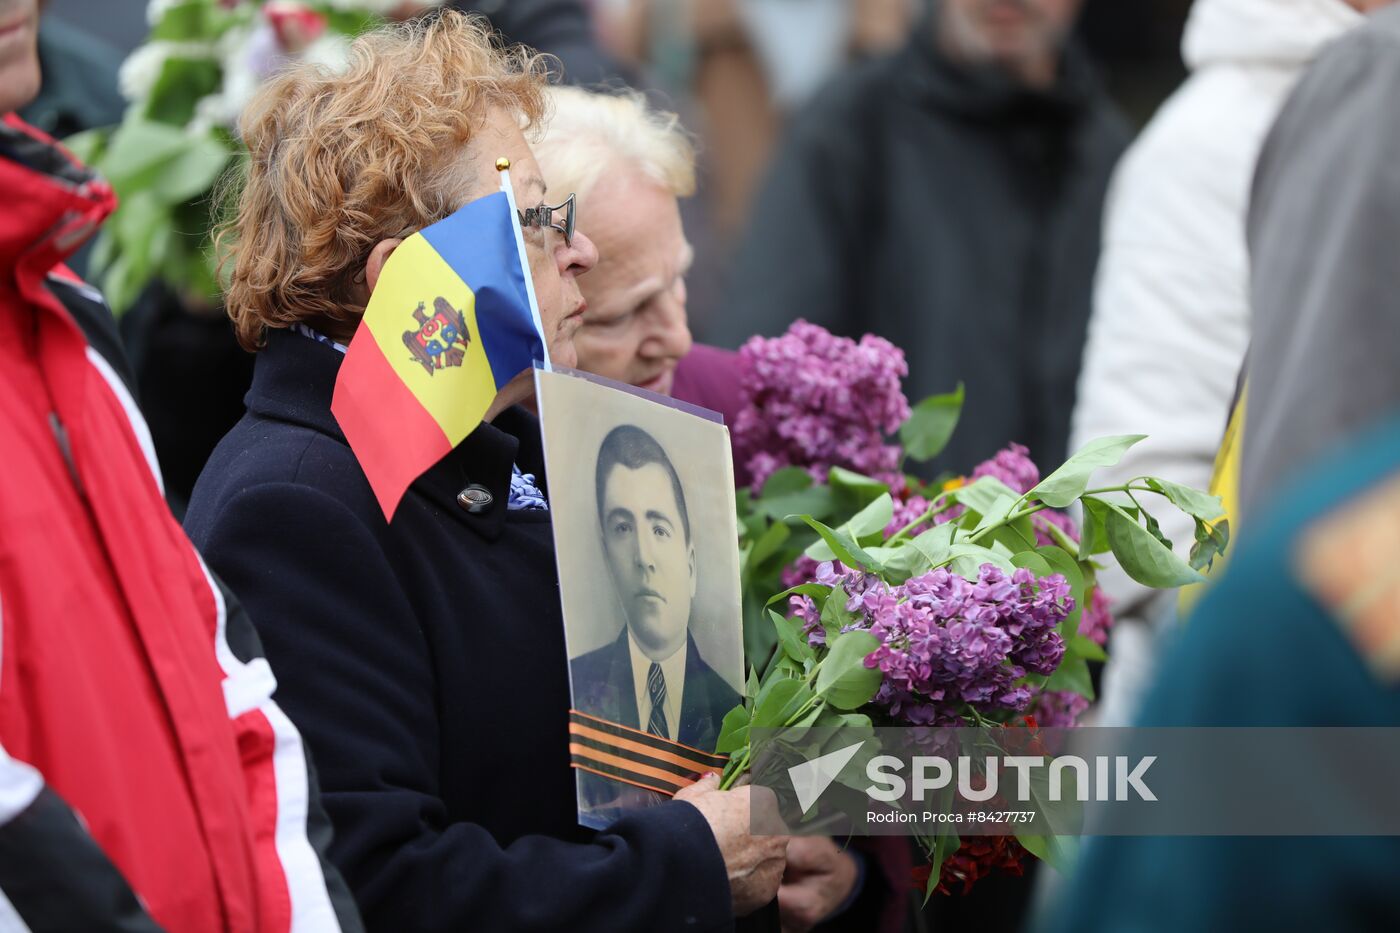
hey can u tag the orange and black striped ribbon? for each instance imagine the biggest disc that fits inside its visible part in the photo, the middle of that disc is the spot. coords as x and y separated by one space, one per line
636 757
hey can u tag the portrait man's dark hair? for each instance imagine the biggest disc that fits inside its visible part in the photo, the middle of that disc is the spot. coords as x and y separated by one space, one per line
629 446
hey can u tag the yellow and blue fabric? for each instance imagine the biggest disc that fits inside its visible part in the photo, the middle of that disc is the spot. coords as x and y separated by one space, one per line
449 323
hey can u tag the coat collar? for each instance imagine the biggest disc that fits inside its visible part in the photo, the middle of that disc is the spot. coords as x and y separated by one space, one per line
294 379
53 203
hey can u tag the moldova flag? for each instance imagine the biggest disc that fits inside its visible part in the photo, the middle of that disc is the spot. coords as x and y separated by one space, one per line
451 320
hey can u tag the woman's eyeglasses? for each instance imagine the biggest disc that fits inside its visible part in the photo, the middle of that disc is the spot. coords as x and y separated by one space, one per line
543 216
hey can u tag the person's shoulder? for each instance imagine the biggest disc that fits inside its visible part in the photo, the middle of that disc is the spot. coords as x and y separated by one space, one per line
1383 26
597 661
1361 62
719 690
711 377
266 458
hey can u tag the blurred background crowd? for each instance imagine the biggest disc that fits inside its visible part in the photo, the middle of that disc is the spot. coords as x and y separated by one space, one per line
1062 183
769 90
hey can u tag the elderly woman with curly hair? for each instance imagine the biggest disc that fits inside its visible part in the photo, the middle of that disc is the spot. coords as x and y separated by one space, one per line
423 658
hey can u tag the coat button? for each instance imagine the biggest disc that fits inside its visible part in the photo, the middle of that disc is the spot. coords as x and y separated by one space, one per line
476 499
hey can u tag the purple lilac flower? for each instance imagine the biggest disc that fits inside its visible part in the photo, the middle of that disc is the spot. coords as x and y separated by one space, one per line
946 642
1013 466
816 401
907 508
1097 617
1058 709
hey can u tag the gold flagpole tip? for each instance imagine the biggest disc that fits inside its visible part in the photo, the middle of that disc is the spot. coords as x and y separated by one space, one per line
502 164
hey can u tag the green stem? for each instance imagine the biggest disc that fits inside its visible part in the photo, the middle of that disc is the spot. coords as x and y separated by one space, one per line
1016 514
934 508
740 764
735 769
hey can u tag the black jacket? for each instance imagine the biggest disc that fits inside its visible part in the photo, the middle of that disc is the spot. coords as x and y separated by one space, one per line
604 687
424 662
955 213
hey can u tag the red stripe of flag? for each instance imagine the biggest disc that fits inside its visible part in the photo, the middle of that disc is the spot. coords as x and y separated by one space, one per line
394 437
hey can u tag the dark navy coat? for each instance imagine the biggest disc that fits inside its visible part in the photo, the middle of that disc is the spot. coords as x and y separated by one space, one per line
424 662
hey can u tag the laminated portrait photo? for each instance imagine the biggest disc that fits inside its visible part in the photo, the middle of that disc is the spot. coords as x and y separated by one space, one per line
642 496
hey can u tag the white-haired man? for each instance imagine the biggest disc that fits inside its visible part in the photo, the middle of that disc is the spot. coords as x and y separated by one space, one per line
628 166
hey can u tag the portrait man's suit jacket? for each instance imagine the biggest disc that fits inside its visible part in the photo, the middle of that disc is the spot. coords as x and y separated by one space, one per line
604 686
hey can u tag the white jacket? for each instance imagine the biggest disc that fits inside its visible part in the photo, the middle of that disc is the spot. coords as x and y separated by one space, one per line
1171 306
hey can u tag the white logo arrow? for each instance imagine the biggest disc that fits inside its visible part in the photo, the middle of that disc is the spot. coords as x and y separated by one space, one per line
811 778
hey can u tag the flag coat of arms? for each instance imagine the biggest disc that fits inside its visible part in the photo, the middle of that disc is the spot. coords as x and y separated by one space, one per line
450 322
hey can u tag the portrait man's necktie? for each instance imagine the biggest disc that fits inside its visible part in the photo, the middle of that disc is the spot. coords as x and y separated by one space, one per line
656 689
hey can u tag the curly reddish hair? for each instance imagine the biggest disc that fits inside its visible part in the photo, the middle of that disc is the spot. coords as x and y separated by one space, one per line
339 160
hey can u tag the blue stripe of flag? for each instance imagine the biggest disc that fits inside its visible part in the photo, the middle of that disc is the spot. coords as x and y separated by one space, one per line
478 242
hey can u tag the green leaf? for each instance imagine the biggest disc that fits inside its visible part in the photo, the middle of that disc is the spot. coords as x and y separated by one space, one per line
816 501
1154 529
843 680
1142 556
352 22
873 519
960 557
1058 852
1210 543
862 488
1033 562
1073 675
817 591
163 160
182 82
985 496
945 845
1086 648
193 21
751 685
733 731
900 563
835 616
1093 539
930 424
1068 483
791 638
786 481
768 544
1193 502
840 546
1062 563
773 699
89 145
119 285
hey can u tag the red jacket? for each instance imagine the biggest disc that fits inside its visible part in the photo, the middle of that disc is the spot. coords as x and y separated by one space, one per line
132 690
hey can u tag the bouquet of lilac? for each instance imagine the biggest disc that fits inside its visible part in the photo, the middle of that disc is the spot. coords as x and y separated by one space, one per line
965 600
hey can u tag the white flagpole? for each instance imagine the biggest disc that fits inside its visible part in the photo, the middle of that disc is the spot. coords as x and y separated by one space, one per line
503 166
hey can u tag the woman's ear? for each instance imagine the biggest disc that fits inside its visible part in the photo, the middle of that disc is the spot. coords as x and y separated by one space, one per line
377 258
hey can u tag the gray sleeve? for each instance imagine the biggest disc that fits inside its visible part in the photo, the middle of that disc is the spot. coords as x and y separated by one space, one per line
1324 234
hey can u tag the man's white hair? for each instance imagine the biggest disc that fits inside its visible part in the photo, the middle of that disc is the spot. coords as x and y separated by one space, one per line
591 132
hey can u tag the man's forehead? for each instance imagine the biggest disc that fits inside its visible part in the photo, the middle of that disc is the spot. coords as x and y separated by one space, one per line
629 484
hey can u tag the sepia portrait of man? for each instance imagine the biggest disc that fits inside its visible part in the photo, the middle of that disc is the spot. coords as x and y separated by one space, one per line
652 676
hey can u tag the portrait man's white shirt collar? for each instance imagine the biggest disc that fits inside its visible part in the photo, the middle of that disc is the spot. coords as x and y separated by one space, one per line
672 671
